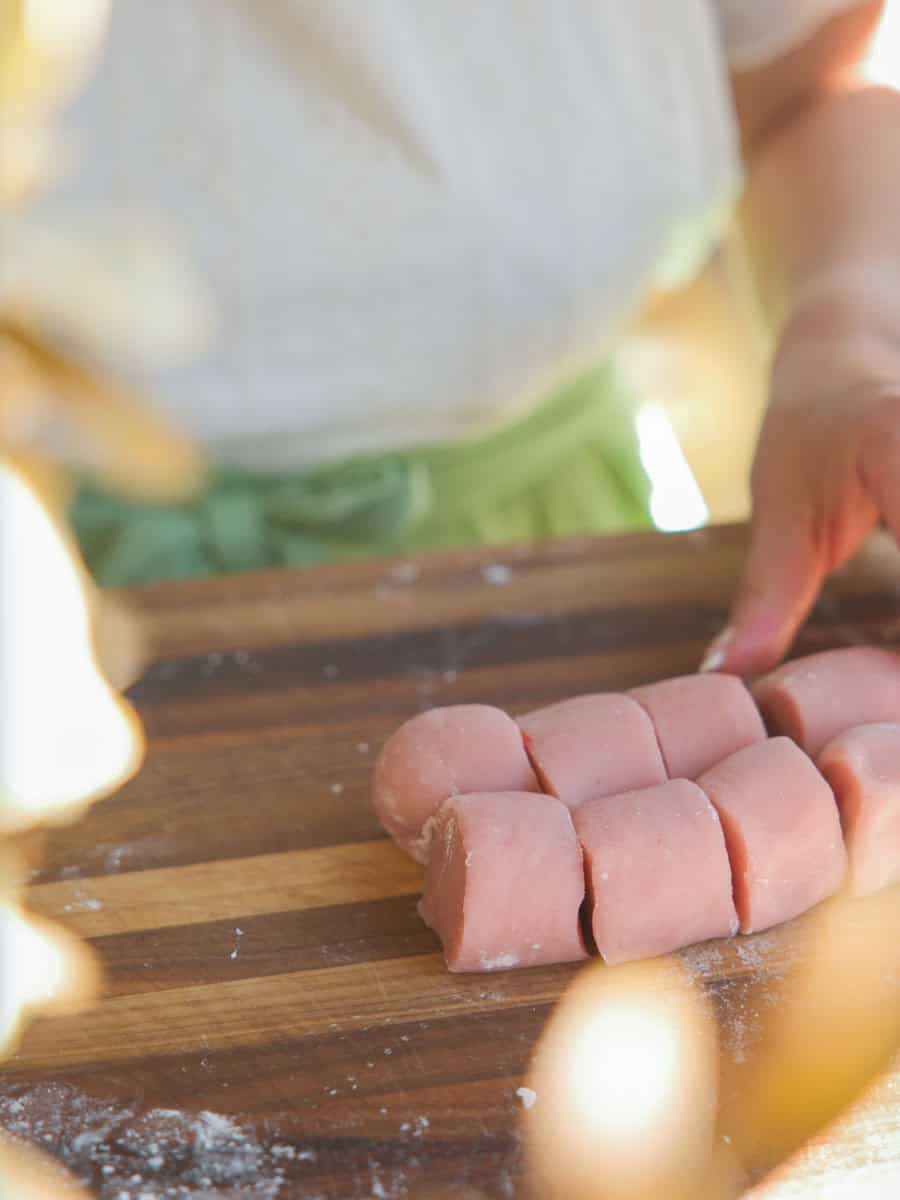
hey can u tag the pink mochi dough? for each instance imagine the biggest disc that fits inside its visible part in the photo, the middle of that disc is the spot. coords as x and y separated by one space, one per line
813 699
863 768
441 753
592 746
657 870
505 882
699 720
782 831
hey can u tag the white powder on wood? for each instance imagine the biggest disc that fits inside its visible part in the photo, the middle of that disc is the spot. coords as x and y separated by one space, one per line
166 1154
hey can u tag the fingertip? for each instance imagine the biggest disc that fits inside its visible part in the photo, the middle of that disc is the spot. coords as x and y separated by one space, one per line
751 661
782 575
749 648
717 651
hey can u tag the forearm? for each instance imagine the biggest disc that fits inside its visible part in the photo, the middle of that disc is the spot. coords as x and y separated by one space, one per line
822 217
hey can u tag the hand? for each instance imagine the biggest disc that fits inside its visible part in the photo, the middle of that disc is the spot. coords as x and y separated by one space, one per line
827 467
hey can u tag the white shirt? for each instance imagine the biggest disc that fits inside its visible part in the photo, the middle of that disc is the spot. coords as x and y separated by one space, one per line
415 216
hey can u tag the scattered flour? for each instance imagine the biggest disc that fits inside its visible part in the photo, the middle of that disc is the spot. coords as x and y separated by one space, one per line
763 952
416 1127
406 572
163 1154
114 859
703 960
501 963
527 1095
496 574
83 903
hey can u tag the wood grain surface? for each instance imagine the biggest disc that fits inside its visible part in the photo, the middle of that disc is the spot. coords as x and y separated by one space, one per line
278 1021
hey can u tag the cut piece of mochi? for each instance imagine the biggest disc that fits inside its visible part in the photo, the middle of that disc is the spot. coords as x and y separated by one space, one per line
782 831
863 768
699 720
505 882
591 746
813 699
658 877
441 753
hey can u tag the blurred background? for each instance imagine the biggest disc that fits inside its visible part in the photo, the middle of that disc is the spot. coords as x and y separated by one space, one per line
134 244
137 191
119 209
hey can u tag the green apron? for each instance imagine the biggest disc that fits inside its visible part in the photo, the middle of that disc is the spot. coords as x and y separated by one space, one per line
572 466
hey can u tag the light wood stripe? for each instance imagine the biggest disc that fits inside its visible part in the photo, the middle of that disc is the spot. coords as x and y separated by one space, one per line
216 891
573 576
335 1000
378 598
321 1003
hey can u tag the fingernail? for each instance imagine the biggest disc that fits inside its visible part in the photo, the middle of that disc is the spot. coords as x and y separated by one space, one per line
718 648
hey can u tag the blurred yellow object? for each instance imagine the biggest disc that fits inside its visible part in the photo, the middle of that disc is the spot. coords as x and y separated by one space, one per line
47 47
630 1097
120 290
75 301
44 970
58 411
68 737
624 1090
71 303
27 1175
830 1029
120 642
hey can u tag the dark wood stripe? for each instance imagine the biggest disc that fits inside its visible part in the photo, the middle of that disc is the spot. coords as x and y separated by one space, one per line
510 638
414 1105
463 1049
272 944
223 801
295 683
407 1142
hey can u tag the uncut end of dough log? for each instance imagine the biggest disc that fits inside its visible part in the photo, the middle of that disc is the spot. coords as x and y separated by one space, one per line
440 753
658 877
782 831
505 882
699 720
592 745
863 768
813 699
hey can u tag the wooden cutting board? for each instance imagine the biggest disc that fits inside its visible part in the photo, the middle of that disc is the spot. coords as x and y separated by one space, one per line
278 1021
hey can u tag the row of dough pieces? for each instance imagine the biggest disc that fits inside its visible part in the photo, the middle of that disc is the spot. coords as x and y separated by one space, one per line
670 807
